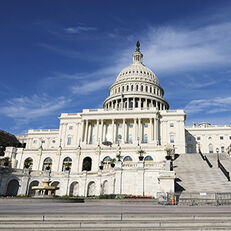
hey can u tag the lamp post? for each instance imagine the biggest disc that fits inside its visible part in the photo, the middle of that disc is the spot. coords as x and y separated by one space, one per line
217 150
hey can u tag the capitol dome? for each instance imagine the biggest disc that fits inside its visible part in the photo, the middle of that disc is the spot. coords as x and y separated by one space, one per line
136 86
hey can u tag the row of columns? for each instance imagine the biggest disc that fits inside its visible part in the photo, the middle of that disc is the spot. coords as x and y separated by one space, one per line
101 130
131 103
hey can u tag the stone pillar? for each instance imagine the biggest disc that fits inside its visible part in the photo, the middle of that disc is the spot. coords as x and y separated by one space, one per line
139 103
135 130
151 130
89 133
157 130
86 129
101 135
82 130
139 130
123 131
113 133
97 131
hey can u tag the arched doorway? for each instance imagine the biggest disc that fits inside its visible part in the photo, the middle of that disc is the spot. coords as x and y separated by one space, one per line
12 188
74 189
105 187
91 189
87 162
56 184
33 183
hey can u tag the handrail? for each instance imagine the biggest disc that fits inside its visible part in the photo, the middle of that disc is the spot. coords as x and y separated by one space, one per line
222 168
204 157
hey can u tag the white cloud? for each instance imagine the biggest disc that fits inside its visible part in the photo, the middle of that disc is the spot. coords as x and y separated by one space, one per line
209 106
169 49
25 109
79 29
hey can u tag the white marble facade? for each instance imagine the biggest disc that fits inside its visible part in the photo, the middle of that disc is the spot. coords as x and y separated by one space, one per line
135 116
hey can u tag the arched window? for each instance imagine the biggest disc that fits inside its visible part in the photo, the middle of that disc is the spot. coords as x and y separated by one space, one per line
119 137
148 158
137 87
47 163
127 88
127 158
107 159
115 91
119 90
87 162
122 88
131 87
150 89
210 148
28 163
141 88
146 88
67 163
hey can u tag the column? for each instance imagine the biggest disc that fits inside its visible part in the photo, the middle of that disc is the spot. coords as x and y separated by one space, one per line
135 130
123 131
127 103
82 130
97 131
113 135
89 134
139 103
151 130
146 103
157 130
139 130
101 135
86 129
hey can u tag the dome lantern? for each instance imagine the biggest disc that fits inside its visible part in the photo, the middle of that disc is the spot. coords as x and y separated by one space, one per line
137 55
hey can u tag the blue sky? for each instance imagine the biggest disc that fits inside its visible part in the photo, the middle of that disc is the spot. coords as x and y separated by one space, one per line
62 56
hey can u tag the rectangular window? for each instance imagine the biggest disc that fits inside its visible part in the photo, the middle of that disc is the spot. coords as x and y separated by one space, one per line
70 127
198 138
130 139
172 139
68 140
171 125
221 137
222 149
146 125
43 141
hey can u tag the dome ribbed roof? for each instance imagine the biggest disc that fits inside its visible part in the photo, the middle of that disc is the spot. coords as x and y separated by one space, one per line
137 70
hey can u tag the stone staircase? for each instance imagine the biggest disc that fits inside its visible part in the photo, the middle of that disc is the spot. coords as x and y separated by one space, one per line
194 175
117 222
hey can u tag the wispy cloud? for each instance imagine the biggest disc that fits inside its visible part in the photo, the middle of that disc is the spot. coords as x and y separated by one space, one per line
169 49
25 109
79 29
209 106
62 51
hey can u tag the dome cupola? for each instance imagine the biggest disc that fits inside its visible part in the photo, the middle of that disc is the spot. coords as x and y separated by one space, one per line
136 86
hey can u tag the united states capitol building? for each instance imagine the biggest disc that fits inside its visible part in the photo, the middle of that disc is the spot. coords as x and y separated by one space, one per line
124 148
